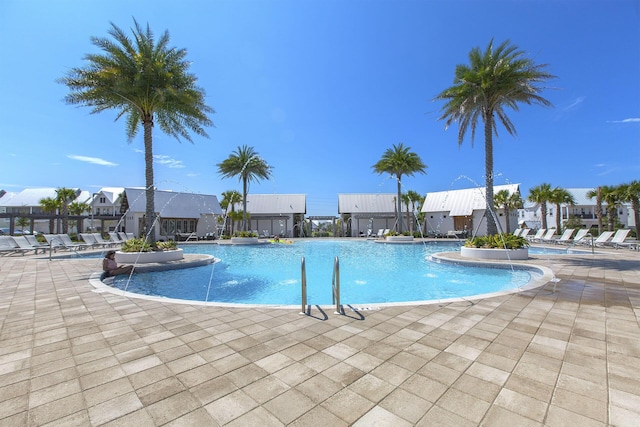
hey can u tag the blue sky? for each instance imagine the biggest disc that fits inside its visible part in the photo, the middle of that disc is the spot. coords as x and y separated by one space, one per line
321 89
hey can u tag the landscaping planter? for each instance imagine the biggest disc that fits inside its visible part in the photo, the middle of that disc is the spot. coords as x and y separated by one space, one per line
244 240
394 239
496 254
148 257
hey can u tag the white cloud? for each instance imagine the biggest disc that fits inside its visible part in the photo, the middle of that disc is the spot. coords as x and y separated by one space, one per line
579 100
629 120
92 160
168 161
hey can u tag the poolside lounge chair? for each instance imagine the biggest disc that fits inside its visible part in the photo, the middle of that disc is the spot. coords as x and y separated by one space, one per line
577 239
602 239
101 241
538 235
548 236
64 241
566 236
89 239
8 246
525 232
33 241
115 238
518 231
618 239
25 246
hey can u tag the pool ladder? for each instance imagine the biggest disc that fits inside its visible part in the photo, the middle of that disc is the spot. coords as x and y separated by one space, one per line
335 286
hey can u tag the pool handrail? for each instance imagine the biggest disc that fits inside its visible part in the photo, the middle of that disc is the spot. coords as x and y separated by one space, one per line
304 286
335 285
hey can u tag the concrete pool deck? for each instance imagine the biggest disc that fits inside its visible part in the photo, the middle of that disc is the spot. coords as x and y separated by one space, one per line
72 355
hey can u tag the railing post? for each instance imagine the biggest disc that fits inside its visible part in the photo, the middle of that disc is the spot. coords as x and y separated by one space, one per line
304 287
336 285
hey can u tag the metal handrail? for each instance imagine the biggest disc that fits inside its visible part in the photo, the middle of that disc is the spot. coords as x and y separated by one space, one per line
304 287
335 285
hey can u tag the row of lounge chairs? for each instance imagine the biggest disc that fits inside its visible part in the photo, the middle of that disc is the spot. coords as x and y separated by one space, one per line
27 243
606 239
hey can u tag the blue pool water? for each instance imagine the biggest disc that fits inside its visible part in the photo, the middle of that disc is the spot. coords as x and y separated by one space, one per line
369 273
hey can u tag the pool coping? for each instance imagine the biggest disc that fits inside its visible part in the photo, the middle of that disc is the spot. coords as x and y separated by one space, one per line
194 260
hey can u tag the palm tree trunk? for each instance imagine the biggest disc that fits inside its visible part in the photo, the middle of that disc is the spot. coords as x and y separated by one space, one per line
244 203
399 203
635 205
543 212
599 209
488 166
507 210
558 218
150 209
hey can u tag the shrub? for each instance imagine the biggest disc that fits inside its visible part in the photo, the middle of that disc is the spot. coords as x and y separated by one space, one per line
244 234
497 241
135 245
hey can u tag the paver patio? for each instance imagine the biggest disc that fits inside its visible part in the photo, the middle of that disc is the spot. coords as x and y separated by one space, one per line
72 355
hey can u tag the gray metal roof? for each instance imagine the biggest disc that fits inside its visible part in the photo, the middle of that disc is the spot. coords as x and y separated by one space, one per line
32 196
366 203
275 204
174 205
461 202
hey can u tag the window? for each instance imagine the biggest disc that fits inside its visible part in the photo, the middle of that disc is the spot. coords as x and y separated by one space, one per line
170 226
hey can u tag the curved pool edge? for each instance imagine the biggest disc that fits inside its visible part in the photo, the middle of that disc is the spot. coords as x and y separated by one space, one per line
545 276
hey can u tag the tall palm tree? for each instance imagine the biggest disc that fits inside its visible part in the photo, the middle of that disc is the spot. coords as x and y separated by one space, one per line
560 196
228 203
612 197
631 193
507 202
411 198
247 166
50 206
64 196
597 193
147 81
79 208
541 194
398 161
495 79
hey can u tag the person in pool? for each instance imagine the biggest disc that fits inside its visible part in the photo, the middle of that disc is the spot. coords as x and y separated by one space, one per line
110 266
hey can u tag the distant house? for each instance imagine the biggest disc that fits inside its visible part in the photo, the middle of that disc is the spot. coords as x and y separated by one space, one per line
365 214
275 214
27 202
584 209
183 214
461 212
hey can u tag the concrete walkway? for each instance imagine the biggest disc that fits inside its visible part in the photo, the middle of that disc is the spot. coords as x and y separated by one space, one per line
73 355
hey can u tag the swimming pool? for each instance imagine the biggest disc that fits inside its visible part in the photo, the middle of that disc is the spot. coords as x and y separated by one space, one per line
370 273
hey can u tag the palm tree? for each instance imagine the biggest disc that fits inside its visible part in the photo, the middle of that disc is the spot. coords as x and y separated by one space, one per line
597 193
410 198
561 196
506 201
612 197
64 196
77 209
631 193
22 222
147 81
541 194
497 78
229 200
247 166
49 205
398 161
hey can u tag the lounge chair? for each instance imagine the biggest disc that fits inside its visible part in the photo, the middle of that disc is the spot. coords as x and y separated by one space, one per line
602 239
548 236
33 241
525 233
64 241
115 238
577 239
518 231
538 235
618 239
89 239
25 246
566 236
8 246
101 241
